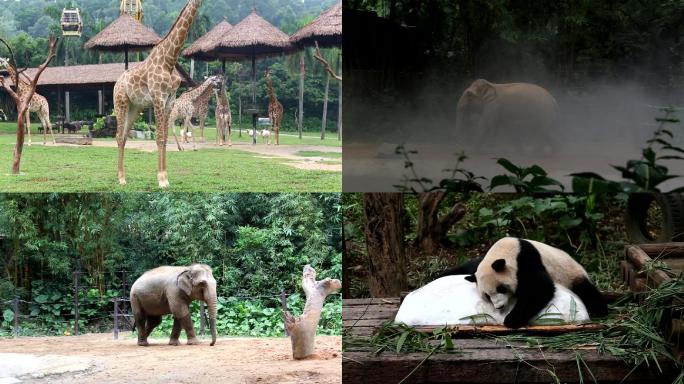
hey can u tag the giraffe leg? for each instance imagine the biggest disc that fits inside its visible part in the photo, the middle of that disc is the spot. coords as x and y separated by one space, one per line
126 115
172 123
201 124
160 117
277 134
189 128
230 128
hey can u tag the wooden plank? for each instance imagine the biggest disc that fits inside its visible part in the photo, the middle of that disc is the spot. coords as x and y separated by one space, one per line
374 313
372 300
663 249
640 259
502 365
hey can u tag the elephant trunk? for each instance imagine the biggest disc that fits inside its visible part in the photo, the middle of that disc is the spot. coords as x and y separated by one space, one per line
210 299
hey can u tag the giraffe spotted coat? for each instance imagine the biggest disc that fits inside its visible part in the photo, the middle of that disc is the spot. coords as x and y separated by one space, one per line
185 107
38 104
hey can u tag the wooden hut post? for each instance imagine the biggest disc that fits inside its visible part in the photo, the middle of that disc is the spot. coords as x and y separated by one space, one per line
67 112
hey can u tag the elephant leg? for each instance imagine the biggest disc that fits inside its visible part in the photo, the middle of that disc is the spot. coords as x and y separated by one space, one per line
175 332
152 322
140 320
186 323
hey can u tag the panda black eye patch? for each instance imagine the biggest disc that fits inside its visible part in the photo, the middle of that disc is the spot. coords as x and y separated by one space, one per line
501 289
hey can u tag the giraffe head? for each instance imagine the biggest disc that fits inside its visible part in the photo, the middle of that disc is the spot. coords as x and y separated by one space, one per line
267 74
4 62
214 81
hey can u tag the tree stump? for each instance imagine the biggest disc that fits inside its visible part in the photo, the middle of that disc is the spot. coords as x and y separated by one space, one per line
302 329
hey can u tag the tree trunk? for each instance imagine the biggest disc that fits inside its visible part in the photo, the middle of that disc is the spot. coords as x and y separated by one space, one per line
384 235
301 95
339 104
325 106
302 329
432 229
19 145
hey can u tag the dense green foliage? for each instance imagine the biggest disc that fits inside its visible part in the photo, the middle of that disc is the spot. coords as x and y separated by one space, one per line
257 245
28 23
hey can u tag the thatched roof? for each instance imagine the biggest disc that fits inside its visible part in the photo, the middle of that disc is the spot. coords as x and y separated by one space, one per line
326 29
124 33
252 35
205 43
81 75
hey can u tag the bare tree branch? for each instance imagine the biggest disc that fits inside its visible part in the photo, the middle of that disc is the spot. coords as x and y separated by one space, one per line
318 56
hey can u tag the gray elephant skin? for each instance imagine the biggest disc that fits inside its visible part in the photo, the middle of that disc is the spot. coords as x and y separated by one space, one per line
522 111
170 290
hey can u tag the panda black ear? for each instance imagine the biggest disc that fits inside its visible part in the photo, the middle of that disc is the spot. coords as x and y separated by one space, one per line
471 278
499 265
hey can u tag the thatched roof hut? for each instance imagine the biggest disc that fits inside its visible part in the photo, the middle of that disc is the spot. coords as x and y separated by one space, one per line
205 43
83 76
252 36
124 34
326 29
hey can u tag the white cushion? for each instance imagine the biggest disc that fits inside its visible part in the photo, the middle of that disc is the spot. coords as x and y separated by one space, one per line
453 300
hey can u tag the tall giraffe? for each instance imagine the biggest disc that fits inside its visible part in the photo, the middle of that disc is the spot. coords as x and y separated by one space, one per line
275 109
185 106
224 119
38 104
153 83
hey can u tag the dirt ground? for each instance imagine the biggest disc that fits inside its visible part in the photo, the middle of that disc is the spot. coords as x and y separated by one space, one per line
98 358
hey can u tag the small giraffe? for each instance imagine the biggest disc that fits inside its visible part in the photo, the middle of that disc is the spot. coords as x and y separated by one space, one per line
275 110
153 83
224 119
38 104
201 107
185 107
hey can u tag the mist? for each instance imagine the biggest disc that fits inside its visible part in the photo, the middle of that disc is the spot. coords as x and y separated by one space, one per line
604 121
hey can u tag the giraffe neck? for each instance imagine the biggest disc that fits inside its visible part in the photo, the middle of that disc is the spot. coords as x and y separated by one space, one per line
201 91
271 94
169 48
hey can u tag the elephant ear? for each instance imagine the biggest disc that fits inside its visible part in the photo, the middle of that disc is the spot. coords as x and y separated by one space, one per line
485 90
184 282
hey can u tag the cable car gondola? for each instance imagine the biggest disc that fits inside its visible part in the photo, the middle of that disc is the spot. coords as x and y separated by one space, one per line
132 8
71 22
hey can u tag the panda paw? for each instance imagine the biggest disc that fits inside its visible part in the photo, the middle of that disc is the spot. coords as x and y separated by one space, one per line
514 322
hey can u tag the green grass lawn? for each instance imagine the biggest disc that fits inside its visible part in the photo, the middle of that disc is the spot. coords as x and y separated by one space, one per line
89 169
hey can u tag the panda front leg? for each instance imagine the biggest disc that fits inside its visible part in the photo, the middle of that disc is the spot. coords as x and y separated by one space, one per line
529 303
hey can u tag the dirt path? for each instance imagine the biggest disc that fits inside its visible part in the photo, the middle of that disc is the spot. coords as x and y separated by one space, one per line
98 358
286 154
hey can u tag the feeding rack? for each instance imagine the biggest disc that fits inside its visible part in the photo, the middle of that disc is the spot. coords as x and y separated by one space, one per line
71 22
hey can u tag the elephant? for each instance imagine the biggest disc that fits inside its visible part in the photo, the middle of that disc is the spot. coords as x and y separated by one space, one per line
527 111
169 290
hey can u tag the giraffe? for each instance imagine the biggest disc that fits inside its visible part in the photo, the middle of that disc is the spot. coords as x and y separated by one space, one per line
224 119
275 110
38 105
185 107
153 83
201 107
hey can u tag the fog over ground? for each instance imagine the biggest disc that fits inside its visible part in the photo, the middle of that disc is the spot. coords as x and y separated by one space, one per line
602 123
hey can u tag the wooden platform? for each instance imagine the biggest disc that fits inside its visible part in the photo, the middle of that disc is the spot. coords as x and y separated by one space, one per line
481 360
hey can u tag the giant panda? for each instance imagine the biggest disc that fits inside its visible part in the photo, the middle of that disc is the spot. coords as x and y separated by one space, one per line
526 270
